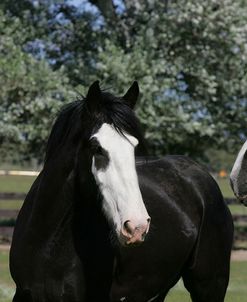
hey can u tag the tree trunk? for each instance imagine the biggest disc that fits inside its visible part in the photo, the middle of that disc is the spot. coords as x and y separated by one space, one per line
106 7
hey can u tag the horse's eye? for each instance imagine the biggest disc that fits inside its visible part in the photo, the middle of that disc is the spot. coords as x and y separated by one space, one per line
98 150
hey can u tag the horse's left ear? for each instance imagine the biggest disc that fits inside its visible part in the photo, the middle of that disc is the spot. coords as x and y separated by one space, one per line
131 95
93 96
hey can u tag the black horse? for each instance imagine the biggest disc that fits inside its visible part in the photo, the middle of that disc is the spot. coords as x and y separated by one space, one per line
84 233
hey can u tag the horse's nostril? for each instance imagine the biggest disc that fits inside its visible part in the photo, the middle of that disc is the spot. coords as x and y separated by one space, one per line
126 223
128 228
148 225
136 232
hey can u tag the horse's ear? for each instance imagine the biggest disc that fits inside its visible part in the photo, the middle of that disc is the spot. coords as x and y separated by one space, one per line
131 95
93 95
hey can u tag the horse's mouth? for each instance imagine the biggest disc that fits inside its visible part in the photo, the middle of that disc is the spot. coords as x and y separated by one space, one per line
135 240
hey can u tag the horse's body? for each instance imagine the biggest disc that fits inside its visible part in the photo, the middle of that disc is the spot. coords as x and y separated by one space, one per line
187 239
62 248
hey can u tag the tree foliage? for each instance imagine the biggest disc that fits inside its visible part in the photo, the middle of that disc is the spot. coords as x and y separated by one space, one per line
30 96
190 58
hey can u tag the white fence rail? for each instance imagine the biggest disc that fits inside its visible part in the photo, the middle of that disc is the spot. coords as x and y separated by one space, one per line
19 173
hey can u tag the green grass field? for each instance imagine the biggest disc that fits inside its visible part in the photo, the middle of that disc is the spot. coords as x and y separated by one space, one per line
10 204
17 184
237 291
225 187
238 209
21 184
6 283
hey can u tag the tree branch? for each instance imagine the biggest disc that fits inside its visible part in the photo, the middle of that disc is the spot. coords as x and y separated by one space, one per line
106 7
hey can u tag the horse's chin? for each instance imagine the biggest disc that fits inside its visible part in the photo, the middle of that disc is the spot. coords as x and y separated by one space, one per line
129 242
122 241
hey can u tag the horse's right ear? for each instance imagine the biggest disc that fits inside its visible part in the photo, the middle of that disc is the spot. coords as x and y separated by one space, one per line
131 95
93 96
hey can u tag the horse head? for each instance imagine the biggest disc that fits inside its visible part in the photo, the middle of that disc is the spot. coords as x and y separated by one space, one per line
111 148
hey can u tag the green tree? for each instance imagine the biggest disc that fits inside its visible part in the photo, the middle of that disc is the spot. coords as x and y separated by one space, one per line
190 58
30 96
65 35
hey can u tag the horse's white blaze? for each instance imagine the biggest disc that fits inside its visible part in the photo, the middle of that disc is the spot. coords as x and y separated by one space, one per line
118 182
237 167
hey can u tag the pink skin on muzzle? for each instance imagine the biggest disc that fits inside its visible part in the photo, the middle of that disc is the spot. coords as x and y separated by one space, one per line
132 233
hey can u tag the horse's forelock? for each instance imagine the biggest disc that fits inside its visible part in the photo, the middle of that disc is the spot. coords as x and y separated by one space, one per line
75 121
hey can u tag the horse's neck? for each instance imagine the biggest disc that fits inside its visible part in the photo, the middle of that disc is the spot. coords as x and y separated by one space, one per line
51 195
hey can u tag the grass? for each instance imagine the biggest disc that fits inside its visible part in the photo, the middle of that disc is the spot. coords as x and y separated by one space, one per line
241 245
17 184
237 290
6 283
238 209
10 204
16 205
225 187
22 184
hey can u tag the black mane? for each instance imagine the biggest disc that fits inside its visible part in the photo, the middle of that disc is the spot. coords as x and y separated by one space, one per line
76 120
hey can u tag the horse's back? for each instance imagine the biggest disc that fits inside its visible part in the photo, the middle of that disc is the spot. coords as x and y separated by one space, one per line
182 180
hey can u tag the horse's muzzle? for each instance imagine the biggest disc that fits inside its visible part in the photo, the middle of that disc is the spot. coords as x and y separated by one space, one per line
132 233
